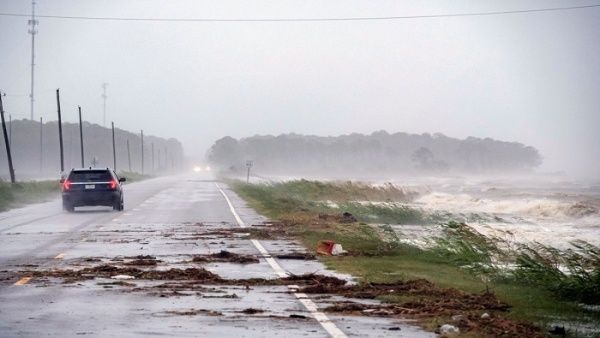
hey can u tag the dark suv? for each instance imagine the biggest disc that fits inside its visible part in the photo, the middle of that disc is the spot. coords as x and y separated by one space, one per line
92 186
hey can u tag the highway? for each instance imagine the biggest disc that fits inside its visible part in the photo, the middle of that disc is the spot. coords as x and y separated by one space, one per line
167 224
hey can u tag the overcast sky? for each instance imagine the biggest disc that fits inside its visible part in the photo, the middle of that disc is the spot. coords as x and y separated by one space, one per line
532 78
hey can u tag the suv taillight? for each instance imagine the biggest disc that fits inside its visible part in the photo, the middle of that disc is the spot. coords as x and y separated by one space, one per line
113 184
66 185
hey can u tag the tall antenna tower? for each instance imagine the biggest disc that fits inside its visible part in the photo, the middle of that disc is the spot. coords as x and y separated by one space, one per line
33 31
104 85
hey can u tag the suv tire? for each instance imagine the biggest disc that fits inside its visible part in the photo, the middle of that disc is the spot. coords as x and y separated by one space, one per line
68 207
118 205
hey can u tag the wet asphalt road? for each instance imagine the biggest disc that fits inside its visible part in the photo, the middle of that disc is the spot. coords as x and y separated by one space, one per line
163 218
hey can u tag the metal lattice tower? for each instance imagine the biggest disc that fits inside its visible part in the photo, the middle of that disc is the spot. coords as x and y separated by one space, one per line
32 23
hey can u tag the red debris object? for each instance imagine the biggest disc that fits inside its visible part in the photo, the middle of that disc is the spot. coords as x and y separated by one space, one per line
325 247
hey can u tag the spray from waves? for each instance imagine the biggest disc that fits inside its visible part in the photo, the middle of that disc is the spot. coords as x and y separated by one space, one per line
537 208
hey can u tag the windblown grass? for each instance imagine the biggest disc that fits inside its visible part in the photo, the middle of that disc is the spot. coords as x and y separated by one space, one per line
313 197
546 286
572 274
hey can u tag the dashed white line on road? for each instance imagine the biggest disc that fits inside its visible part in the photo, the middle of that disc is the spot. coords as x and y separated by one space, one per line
60 256
23 281
321 317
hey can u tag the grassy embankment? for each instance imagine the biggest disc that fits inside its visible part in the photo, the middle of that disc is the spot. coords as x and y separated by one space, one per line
22 193
538 291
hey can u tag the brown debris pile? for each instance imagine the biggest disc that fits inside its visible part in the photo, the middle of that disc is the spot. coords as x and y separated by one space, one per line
296 255
434 299
225 256
252 311
315 281
142 260
194 312
108 271
499 327
429 301
491 325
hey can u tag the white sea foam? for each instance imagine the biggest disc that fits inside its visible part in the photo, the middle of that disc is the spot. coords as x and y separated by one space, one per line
529 208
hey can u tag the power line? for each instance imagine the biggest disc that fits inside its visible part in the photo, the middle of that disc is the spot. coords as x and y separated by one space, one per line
380 18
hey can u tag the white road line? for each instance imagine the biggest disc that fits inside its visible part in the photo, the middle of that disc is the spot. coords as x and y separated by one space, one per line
325 322
22 281
60 256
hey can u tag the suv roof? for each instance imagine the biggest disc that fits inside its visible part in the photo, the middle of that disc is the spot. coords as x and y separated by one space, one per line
90 168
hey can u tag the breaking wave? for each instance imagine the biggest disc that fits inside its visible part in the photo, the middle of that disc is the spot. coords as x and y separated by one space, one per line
531 207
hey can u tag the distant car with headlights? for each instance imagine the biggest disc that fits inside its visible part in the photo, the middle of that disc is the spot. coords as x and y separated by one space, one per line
92 187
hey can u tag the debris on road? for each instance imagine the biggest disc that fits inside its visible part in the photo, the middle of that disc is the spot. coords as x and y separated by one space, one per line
316 280
142 260
252 311
108 271
194 312
225 256
296 255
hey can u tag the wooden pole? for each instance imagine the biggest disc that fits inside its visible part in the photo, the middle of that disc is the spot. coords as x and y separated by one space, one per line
81 137
60 134
11 169
128 155
41 145
112 124
142 136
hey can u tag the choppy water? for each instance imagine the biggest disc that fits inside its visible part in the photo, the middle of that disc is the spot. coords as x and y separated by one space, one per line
551 212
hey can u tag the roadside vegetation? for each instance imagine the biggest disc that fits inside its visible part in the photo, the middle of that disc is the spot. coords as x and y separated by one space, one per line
21 193
133 176
542 285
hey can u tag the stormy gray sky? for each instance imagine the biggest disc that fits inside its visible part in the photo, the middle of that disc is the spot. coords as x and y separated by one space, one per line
532 77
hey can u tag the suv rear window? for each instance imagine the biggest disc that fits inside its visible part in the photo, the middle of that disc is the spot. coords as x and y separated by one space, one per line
90 176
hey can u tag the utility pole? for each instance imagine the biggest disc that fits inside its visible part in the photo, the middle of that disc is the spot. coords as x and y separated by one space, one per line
128 155
11 170
249 165
158 160
10 129
112 124
166 159
60 134
41 145
33 31
104 85
152 156
81 137
142 135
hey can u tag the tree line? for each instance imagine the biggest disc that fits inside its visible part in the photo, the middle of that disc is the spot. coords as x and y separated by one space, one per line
377 153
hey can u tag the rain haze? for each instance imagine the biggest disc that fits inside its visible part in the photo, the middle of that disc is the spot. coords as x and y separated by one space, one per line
527 77
300 168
